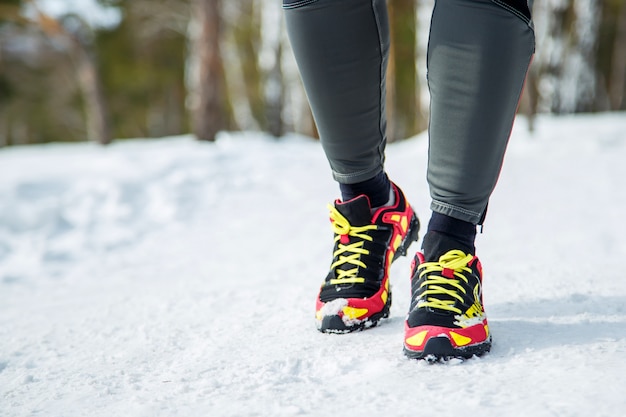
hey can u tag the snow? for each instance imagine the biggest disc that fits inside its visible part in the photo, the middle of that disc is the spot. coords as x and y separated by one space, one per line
176 278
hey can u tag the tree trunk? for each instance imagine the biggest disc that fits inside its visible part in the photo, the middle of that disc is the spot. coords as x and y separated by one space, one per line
96 114
530 98
209 112
275 94
86 68
618 67
404 113
247 36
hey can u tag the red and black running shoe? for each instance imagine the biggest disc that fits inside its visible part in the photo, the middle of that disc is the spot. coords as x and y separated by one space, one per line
446 318
356 294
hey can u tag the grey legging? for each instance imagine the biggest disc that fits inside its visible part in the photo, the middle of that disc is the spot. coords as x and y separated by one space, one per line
478 55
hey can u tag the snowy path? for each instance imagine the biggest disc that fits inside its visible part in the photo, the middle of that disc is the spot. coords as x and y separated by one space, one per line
176 278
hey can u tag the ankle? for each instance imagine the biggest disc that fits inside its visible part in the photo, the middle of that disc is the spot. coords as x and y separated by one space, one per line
377 189
445 233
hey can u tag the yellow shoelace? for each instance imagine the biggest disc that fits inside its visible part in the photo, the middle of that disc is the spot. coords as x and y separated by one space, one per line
456 262
342 227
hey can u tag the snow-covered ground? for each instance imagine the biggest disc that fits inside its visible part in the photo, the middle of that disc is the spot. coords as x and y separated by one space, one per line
176 278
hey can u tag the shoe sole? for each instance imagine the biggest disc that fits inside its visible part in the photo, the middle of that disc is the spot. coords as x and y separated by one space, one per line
440 348
335 324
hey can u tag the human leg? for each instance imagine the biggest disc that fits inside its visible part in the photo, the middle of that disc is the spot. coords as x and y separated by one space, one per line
479 52
341 47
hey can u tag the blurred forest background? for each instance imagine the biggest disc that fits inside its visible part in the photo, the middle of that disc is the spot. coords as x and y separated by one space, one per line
169 67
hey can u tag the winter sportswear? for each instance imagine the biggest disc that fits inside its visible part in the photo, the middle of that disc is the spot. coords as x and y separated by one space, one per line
478 55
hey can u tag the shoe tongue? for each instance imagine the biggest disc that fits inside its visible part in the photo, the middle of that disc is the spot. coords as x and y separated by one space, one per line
357 211
436 244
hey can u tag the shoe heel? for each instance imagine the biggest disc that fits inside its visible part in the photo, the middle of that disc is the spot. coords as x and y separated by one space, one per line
412 235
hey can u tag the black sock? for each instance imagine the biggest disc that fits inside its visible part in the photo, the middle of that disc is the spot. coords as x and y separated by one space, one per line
453 231
376 189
